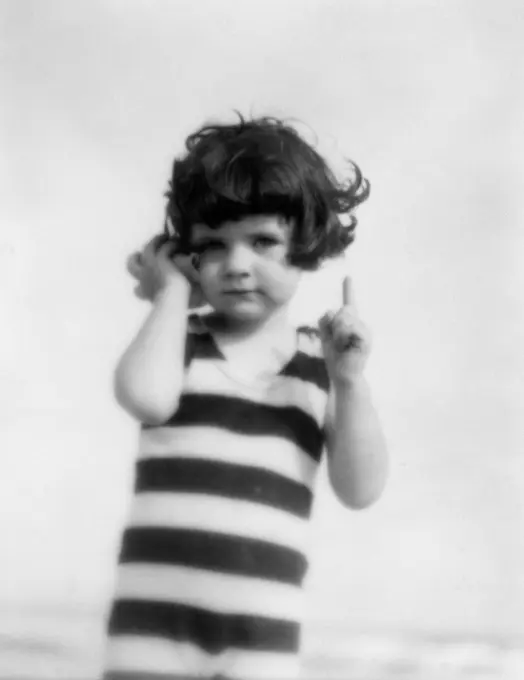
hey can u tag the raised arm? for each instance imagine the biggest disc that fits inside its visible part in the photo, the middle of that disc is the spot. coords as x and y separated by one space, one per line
357 452
149 376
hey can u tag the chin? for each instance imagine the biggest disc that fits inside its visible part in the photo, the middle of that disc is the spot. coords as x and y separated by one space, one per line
249 308
244 315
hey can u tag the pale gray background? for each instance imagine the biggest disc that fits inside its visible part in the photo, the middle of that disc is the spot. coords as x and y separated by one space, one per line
427 97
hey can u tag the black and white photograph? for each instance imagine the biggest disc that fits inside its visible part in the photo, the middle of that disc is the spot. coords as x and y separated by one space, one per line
261 357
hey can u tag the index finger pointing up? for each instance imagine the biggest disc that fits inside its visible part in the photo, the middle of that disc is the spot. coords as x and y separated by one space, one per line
347 293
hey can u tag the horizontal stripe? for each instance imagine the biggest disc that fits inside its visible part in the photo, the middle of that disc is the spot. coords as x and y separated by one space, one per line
210 477
249 418
131 657
216 552
289 390
210 631
220 593
270 453
220 515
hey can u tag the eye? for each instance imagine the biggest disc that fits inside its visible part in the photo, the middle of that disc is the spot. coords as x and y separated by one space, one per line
265 242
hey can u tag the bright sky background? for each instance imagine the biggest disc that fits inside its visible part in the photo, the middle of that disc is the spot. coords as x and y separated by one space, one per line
96 98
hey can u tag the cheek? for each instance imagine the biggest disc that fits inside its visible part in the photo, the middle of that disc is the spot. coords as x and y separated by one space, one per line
280 279
207 274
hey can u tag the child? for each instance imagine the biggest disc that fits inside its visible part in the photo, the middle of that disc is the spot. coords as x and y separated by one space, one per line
237 406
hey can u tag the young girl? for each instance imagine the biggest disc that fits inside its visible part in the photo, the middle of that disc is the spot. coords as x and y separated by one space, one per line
237 407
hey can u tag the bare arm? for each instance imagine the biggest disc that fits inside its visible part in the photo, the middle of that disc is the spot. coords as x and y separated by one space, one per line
357 453
149 376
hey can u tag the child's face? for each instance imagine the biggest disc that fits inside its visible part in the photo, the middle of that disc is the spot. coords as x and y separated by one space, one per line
244 268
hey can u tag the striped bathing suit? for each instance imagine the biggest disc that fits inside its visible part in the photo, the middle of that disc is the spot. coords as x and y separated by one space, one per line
209 581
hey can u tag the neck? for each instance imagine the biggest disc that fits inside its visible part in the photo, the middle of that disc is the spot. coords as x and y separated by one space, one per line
241 328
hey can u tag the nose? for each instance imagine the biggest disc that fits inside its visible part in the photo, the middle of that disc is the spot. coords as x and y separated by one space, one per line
238 261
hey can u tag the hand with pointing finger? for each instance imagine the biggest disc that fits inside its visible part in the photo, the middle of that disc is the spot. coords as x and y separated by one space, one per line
345 340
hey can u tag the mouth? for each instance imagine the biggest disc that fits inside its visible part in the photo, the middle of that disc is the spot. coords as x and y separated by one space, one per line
239 292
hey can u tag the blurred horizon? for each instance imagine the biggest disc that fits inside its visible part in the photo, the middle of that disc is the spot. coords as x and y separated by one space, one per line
72 647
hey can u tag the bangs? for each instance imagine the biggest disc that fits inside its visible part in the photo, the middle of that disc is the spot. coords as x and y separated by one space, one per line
251 183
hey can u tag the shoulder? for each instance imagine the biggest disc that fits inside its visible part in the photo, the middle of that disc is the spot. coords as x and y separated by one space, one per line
309 341
308 364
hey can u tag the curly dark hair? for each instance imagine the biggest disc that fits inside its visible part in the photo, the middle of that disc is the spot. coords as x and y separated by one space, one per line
263 167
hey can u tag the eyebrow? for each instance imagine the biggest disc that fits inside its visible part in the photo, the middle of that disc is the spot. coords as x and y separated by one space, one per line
268 234
260 231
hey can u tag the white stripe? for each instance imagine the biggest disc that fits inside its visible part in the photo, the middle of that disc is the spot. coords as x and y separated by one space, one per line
205 375
212 443
220 515
217 592
132 653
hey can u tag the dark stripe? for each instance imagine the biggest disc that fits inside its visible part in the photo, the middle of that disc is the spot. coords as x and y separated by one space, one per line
201 346
308 368
250 418
210 631
217 478
215 552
